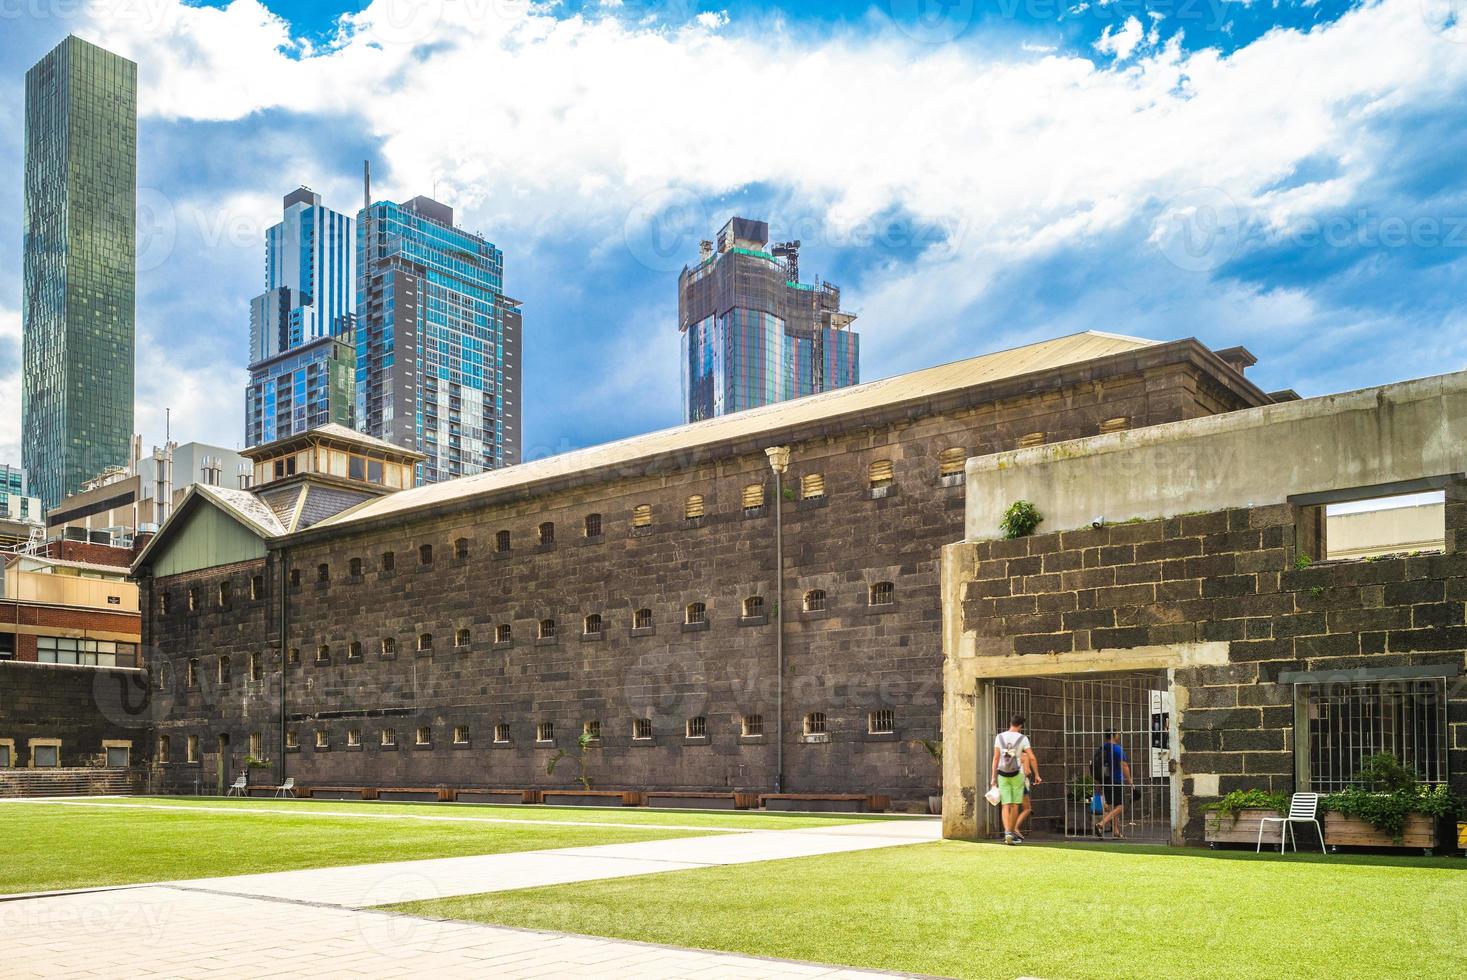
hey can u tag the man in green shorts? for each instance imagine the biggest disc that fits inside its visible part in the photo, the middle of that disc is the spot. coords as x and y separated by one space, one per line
1012 758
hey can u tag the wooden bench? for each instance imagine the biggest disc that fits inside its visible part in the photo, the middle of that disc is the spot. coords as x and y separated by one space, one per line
473 795
327 792
691 800
591 797
825 802
416 794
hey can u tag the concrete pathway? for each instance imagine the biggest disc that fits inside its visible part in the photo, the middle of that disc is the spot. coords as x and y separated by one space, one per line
320 922
365 885
161 931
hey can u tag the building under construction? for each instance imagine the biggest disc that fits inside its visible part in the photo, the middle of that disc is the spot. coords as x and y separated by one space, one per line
752 333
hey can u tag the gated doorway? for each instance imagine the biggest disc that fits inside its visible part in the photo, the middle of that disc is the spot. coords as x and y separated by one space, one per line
1068 718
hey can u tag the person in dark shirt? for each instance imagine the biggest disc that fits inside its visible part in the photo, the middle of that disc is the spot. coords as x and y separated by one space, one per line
1115 771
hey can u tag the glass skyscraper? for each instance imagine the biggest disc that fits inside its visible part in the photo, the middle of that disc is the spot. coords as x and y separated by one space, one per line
302 359
438 342
752 333
80 247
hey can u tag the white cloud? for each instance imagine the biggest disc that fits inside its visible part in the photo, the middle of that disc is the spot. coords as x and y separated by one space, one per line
1120 42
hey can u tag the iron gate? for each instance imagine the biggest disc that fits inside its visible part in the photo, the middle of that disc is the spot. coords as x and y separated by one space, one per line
1138 708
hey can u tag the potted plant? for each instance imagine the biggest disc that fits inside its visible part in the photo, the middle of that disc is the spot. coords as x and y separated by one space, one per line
1235 818
1389 808
252 763
933 746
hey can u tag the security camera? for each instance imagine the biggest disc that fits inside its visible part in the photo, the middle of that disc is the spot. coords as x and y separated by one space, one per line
1098 522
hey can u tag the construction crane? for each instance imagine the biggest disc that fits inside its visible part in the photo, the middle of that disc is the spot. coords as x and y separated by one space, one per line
790 252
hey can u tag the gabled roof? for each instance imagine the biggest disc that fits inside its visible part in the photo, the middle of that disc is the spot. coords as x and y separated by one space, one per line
767 421
243 506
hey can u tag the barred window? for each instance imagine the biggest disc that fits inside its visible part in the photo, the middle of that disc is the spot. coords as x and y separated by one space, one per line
641 729
642 619
753 606
323 654
461 548
461 638
1348 722
501 542
389 737
697 727
323 741
223 595
460 734
503 633
193 600
389 646
592 730
547 533
353 737
354 650
593 525
547 629
292 739
425 641
950 461
389 561
293 656
425 735
257 745
192 746
295 577
881 722
880 473
642 515
165 748
592 625
257 587
696 613
193 672
815 600
425 554
883 594
224 669
812 486
354 568
693 508
545 731
257 666
753 726
323 572
753 497
501 733
815 723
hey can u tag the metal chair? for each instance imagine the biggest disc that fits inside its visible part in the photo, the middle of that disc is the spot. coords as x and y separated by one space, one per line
286 788
1303 808
240 786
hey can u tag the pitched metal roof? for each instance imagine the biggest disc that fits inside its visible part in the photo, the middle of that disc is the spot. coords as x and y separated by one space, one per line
758 422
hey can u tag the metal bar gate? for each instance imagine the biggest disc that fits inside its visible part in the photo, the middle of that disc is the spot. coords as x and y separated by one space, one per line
1137 708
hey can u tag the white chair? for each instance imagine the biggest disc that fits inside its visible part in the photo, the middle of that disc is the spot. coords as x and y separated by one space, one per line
240 786
286 788
1303 808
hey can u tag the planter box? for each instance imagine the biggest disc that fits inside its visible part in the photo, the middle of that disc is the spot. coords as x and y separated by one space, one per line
1343 831
591 798
694 801
1242 828
497 796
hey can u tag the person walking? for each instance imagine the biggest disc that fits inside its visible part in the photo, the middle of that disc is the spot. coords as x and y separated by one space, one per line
1013 756
1112 771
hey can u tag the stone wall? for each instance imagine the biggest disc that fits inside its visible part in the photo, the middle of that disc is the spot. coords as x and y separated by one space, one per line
847 661
80 706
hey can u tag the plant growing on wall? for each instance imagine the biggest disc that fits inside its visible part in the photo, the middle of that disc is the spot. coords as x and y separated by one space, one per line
253 763
585 743
1020 520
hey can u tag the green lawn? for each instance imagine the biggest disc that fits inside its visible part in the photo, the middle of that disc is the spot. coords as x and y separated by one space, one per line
984 910
46 846
639 816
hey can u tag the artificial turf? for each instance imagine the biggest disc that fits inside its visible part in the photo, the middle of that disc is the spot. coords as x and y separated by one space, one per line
983 910
45 846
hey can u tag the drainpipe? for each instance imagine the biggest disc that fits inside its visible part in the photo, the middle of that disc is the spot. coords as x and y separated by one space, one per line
284 564
779 461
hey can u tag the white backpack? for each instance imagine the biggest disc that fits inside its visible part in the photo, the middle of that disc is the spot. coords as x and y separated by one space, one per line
1008 743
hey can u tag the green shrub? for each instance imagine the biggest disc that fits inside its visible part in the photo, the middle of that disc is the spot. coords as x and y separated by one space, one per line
1247 799
1020 520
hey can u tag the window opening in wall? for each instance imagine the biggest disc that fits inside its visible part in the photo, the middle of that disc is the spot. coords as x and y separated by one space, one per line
461 548
815 600
881 722
425 641
223 595
292 739
642 515
753 497
163 603
812 486
389 646
425 554
693 508
547 629
547 533
224 669
1399 524
545 731
1348 722
293 656
193 600
815 723
323 741
593 525
192 746
501 733
697 727
503 633
501 542
883 594
323 654
323 572
165 749
165 676
354 650
6 760
425 735
389 561
461 638
257 587
642 619
257 667
257 746
353 737
354 568
46 757
389 737
880 474
592 730
752 726
119 756
295 577
641 729
593 625
950 463
193 672
753 606
695 614
460 734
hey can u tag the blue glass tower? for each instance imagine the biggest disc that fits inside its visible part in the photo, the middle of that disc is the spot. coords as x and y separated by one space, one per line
302 369
437 341
752 333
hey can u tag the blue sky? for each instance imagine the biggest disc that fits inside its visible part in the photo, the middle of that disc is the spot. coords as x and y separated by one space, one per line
974 175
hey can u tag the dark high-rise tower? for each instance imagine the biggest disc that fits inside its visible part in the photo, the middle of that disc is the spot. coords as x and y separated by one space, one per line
752 333
79 266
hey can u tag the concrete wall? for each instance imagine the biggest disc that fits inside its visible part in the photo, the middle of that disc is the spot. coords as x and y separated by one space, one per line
1249 458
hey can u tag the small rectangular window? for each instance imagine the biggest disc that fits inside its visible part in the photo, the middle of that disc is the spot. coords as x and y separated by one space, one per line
389 561
815 723
193 748
501 733
460 734
881 722
292 739
46 757
118 756
257 587
389 737
812 486
323 741
753 497
753 726
165 749
950 463
880 474
592 730
642 515
425 735
641 729
697 727
693 509
593 525
353 737
257 666
545 731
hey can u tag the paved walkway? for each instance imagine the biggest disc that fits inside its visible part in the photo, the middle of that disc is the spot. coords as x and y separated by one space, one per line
319 922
